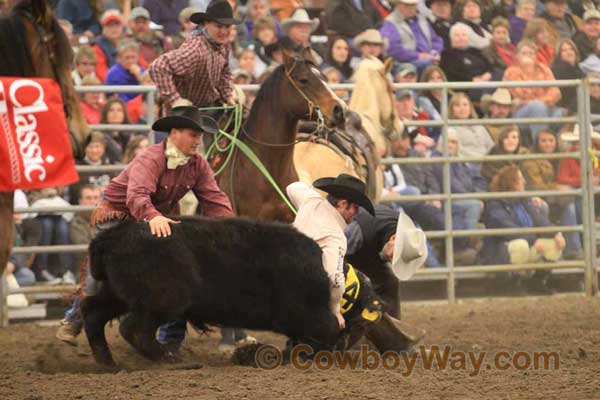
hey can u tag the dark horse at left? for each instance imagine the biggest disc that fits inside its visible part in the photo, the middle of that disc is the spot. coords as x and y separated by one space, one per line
32 44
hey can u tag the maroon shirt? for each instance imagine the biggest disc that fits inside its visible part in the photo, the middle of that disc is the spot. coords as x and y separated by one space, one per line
146 188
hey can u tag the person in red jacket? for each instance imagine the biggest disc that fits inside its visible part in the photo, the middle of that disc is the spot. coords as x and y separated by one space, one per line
106 45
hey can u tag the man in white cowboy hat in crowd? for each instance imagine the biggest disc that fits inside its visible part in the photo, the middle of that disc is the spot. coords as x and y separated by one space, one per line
370 44
324 220
411 37
498 105
149 189
298 29
198 72
387 247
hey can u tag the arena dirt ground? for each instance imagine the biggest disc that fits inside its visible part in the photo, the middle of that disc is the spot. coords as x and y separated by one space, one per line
34 366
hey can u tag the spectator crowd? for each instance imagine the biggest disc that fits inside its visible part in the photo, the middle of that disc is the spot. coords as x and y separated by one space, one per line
115 41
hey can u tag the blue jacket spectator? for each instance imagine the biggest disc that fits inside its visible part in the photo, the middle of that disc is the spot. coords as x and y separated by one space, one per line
127 70
80 14
411 37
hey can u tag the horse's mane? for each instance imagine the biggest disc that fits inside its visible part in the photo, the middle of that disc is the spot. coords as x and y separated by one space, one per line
16 59
267 95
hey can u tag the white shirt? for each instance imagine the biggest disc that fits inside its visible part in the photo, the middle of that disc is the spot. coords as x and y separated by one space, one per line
321 222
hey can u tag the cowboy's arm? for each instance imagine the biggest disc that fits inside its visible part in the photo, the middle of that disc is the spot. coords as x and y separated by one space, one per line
180 62
299 192
213 201
144 174
227 82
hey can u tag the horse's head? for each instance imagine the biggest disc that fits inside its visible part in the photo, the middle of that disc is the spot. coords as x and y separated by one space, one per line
48 54
308 89
373 96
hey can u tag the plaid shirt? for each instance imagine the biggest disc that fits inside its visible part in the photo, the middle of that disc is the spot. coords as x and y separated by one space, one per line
198 71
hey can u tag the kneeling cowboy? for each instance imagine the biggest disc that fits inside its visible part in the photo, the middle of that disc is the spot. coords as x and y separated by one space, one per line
150 188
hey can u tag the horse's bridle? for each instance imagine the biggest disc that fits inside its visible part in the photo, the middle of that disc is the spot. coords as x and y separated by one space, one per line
311 105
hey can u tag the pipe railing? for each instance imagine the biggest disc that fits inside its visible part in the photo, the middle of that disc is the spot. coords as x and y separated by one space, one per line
450 272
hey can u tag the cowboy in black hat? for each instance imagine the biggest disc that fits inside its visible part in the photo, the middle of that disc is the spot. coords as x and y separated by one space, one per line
324 220
198 72
151 187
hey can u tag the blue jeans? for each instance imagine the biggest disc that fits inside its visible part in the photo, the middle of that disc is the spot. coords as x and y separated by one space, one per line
538 109
570 217
467 211
24 276
174 332
55 230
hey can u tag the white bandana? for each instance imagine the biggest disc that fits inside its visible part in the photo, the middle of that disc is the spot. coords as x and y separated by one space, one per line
175 157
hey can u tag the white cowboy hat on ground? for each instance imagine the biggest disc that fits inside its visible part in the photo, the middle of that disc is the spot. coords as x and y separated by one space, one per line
410 248
300 16
574 136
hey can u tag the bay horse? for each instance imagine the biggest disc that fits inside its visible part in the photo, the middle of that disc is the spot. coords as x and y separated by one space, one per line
372 103
294 89
32 44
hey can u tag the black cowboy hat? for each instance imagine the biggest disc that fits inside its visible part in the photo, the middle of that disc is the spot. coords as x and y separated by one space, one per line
217 11
186 117
346 187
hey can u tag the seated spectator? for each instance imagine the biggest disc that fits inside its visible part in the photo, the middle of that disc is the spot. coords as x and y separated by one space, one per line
369 44
187 26
501 52
515 213
406 110
127 70
263 34
106 44
585 39
115 112
338 56
541 175
468 14
498 106
91 102
569 170
591 65
440 18
165 13
562 22
538 31
566 66
81 14
136 107
524 12
259 9
462 62
298 29
137 144
85 64
27 232
498 8
334 76
411 38
536 102
248 61
394 180
151 43
405 73
350 17
474 140
80 230
431 100
54 230
508 143
95 154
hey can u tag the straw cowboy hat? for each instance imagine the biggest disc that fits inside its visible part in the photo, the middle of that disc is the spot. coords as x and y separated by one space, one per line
186 117
300 16
217 11
410 248
500 96
574 136
371 36
346 187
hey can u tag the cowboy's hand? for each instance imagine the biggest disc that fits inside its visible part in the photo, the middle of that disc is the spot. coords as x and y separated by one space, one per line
231 101
340 319
560 240
159 226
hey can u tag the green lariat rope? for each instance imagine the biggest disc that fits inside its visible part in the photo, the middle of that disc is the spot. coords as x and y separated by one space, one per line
236 117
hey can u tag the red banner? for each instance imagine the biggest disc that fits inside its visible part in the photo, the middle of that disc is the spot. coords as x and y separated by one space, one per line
35 151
